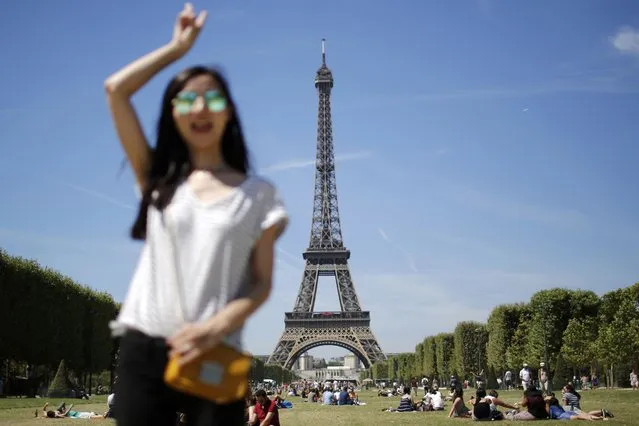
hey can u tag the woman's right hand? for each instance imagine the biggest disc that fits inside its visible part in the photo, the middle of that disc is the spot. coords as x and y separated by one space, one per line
187 28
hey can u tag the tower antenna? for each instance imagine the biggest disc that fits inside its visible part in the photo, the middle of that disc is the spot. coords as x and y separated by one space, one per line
323 51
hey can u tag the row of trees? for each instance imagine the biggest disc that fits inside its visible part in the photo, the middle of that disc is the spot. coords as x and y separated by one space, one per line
573 331
261 371
47 318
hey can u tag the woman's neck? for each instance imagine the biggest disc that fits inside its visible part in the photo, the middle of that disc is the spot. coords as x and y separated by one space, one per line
207 159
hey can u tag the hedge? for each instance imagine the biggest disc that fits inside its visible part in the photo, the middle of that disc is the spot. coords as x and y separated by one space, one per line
47 317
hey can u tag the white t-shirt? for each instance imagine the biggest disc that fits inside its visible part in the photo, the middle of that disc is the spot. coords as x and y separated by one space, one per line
524 375
213 242
491 401
435 399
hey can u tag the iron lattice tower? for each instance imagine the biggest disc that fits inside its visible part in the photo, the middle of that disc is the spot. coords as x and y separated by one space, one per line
326 255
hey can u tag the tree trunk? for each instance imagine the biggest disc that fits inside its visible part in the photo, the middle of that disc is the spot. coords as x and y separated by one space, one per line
612 375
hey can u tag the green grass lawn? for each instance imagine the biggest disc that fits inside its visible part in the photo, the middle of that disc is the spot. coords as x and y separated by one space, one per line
623 403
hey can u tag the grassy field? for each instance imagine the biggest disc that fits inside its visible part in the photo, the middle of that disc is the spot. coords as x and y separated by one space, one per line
623 403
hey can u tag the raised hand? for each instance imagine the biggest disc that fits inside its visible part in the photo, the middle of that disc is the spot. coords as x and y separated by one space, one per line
187 28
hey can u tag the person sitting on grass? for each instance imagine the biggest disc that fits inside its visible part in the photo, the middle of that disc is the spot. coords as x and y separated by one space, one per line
344 397
534 407
433 400
353 396
458 409
406 404
266 409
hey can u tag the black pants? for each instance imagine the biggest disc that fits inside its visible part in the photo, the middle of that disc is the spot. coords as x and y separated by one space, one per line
142 397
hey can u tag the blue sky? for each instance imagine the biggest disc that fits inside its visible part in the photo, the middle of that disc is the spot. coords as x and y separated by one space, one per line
486 149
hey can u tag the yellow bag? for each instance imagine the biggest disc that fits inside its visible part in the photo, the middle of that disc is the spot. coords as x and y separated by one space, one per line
219 375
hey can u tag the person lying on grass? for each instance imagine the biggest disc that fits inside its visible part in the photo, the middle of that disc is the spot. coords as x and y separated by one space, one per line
557 412
62 412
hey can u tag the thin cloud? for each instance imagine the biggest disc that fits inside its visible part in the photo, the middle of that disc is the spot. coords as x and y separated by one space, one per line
98 195
287 165
281 261
626 41
515 209
409 257
296 259
300 164
602 84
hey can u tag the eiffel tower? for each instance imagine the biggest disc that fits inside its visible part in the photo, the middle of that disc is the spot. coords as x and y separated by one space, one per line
326 255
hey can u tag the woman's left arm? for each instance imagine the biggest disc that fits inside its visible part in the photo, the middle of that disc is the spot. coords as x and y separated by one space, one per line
233 315
194 339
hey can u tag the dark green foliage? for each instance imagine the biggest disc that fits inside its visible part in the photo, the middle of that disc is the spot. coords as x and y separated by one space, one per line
502 325
551 311
277 373
380 371
60 386
257 371
405 364
491 379
470 348
517 354
418 365
562 374
429 361
47 317
444 355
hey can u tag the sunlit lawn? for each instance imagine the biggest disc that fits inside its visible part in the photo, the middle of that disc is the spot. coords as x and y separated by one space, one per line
623 403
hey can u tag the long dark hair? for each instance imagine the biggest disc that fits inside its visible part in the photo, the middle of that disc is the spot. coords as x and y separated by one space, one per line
170 161
570 388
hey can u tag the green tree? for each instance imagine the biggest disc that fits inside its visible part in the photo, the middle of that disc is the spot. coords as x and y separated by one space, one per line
393 372
429 347
405 366
584 304
444 355
579 347
551 311
516 354
46 306
501 326
60 386
256 373
379 370
470 347
418 367
617 341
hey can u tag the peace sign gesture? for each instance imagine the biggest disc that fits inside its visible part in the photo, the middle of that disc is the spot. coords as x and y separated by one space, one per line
187 28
